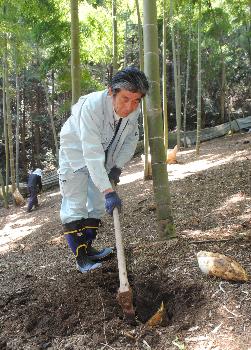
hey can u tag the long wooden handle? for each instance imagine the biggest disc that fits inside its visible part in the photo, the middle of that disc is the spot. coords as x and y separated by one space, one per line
124 284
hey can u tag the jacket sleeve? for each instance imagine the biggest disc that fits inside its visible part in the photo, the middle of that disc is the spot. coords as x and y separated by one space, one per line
128 148
93 151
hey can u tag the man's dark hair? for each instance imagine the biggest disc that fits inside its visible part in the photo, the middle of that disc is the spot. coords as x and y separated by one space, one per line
130 79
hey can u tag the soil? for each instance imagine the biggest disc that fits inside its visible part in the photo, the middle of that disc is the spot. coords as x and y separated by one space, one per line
46 304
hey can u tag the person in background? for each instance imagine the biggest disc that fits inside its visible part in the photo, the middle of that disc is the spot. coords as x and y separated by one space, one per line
96 141
34 187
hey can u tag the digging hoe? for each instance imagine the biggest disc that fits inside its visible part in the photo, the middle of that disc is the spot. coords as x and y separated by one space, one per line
124 296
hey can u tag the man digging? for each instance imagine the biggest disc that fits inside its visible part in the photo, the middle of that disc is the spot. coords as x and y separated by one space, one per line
96 141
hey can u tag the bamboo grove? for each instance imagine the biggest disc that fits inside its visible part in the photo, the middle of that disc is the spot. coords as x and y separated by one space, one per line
197 56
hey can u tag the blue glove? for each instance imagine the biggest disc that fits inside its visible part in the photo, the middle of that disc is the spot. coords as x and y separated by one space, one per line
112 200
114 175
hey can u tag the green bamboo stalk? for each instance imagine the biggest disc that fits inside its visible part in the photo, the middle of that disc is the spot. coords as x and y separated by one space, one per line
5 199
9 124
6 144
154 114
176 77
223 88
125 43
50 112
199 85
17 119
75 56
187 85
147 163
164 80
114 37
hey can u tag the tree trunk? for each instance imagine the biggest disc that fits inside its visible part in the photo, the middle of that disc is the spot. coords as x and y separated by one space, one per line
199 85
75 56
153 103
114 37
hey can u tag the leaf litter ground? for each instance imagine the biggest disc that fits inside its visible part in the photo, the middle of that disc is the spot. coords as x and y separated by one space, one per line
46 304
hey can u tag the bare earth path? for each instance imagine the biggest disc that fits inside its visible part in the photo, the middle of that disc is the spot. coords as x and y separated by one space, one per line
46 304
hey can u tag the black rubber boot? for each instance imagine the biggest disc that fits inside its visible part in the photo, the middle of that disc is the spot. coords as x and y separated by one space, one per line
92 253
77 236
84 264
97 255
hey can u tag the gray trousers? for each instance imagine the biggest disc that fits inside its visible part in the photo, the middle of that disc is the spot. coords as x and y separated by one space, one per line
81 199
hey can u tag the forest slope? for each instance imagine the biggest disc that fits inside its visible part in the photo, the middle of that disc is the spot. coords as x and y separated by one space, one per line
46 304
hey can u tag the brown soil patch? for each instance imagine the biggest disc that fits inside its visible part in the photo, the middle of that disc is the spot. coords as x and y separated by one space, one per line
46 304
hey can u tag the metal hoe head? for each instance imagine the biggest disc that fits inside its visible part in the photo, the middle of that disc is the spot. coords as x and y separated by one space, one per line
125 300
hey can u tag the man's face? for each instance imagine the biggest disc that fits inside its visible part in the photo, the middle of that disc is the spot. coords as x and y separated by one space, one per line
125 102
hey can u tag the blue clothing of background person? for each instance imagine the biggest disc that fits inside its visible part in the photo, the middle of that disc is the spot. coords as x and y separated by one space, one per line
34 187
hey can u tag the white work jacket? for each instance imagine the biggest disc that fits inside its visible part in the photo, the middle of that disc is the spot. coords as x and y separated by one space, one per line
87 134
